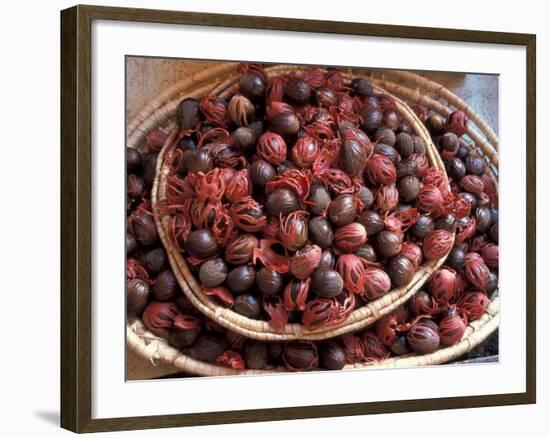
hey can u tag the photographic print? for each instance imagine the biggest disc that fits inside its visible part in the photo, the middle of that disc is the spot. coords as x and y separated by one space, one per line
303 218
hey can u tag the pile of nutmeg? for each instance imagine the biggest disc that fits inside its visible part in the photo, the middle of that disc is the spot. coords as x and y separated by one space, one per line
301 198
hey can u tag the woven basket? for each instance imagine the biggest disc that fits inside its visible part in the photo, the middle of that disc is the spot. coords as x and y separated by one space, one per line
262 330
154 349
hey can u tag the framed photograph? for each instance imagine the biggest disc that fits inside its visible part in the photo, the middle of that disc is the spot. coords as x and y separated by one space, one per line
258 224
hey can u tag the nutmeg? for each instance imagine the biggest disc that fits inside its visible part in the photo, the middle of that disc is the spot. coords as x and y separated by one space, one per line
388 243
252 85
320 198
286 124
239 251
320 232
133 159
343 210
386 136
244 138
300 355
241 279
212 273
247 305
155 260
328 260
332 356
327 283
165 287
475 165
282 201
305 261
201 243
455 168
400 270
408 188
269 282
353 157
372 221
187 114
297 90
423 226
207 348
137 296
255 355
404 145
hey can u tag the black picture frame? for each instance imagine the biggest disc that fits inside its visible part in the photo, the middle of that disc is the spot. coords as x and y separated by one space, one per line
76 177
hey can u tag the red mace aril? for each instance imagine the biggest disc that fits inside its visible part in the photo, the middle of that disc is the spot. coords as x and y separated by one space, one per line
437 244
274 307
272 229
336 180
275 108
350 237
489 253
231 359
275 89
473 304
248 215
429 199
327 156
466 230
380 170
221 294
239 251
305 151
412 252
293 232
422 164
209 186
239 186
386 328
443 285
373 348
159 317
422 303
473 184
295 294
318 312
351 269
387 198
305 261
296 180
353 348
376 283
265 253
156 140
271 148
215 110
344 305
224 227
456 123
461 283
476 272
452 327
227 175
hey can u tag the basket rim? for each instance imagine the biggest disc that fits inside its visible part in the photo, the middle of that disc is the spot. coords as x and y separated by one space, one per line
262 330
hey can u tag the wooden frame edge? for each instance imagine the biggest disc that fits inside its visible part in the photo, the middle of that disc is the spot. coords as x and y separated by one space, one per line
76 380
